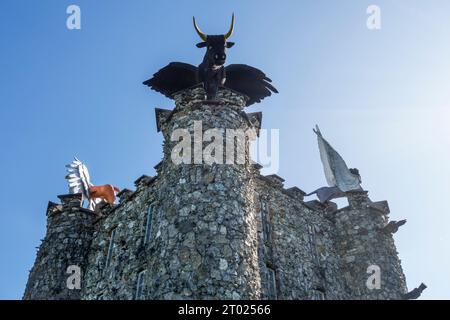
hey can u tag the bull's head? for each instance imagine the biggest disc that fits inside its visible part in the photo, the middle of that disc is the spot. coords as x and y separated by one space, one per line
215 44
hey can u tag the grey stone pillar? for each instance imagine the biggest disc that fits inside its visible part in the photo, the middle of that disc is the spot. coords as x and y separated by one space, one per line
204 242
67 243
366 250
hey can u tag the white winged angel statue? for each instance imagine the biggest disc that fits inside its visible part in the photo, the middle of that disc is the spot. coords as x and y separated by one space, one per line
80 182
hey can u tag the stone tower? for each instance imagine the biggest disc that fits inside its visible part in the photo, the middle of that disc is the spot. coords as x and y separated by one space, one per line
209 247
365 248
67 243
215 231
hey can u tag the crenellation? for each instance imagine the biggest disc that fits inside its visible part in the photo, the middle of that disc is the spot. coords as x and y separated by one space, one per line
52 208
380 206
275 180
315 205
358 199
143 180
71 200
296 193
161 116
124 195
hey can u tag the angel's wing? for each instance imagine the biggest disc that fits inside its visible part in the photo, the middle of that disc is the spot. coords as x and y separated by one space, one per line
174 77
336 171
78 178
250 81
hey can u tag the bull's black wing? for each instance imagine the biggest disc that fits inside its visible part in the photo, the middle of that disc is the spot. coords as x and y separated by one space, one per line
250 81
174 77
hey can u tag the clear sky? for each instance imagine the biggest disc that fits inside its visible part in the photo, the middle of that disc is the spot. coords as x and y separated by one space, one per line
380 97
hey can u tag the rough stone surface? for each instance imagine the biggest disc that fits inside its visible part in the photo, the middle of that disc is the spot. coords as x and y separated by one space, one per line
67 242
216 231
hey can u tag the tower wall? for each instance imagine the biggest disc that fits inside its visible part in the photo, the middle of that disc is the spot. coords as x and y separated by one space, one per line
361 244
115 262
67 243
296 244
205 233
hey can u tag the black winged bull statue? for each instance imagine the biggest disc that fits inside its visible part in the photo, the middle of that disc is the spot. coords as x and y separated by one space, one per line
212 73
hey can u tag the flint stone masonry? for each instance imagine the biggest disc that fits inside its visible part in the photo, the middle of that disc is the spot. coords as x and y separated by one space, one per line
67 242
215 231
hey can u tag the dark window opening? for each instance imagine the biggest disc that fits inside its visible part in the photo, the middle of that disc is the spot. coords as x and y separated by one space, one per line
266 228
319 293
110 248
148 225
271 284
140 286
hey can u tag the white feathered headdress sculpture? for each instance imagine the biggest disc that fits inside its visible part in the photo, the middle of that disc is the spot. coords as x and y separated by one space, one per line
80 182
339 177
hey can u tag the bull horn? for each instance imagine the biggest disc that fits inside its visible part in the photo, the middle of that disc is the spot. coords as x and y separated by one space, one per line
230 32
199 32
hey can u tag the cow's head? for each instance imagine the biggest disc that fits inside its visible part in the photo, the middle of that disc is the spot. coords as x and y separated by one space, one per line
215 44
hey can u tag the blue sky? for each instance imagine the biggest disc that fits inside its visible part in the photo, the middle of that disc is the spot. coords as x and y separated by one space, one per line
380 97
